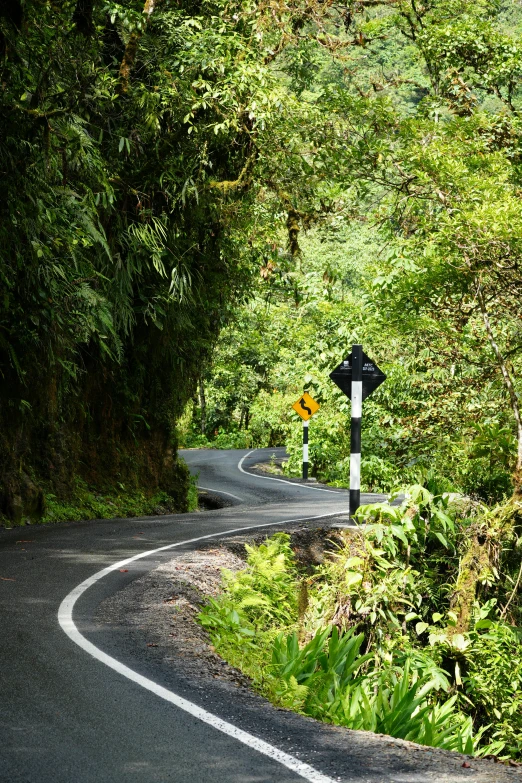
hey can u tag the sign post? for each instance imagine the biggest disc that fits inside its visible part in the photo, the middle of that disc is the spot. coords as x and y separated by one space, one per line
305 450
355 430
357 376
306 407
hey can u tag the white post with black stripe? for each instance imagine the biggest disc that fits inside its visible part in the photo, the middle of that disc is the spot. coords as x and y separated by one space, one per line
355 430
305 450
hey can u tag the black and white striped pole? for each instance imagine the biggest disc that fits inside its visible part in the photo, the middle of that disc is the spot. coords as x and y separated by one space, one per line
357 376
355 430
305 450
305 407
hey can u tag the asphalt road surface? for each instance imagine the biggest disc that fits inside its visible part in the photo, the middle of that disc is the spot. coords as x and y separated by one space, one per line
81 702
66 716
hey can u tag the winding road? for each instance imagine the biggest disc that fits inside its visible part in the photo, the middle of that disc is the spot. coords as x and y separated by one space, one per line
82 702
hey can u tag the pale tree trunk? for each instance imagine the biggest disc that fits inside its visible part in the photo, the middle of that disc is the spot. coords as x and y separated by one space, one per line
510 386
202 405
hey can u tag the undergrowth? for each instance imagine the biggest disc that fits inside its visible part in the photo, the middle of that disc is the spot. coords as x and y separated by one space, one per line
114 503
220 440
400 631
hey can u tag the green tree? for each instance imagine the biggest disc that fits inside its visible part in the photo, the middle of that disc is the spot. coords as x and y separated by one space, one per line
134 141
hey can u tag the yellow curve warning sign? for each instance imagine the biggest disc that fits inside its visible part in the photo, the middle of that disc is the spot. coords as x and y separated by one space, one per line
306 406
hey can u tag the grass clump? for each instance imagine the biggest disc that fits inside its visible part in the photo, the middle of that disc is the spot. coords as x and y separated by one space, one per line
382 636
118 502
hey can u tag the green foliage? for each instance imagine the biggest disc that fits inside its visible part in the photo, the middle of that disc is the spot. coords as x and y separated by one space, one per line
156 165
415 255
222 440
133 148
119 502
398 704
494 682
88 504
422 425
371 638
264 593
192 494
257 600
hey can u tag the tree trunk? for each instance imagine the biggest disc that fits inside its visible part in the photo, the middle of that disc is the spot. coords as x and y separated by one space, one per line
203 405
492 541
472 565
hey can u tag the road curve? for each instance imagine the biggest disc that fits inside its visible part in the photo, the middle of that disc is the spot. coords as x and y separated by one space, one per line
84 702
65 716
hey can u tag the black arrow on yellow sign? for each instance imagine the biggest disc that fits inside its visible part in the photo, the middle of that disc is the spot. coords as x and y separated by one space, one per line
305 407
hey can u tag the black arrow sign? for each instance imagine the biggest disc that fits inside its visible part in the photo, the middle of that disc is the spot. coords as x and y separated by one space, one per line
305 407
372 376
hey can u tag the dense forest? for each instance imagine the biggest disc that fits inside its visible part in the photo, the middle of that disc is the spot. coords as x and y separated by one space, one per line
301 175
129 137
205 203
416 257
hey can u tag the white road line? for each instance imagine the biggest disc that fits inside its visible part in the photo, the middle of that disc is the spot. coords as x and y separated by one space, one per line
65 618
282 481
221 492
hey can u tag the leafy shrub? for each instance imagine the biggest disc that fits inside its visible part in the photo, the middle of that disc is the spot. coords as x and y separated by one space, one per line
255 602
494 682
271 419
110 505
329 443
222 440
116 502
194 440
231 440
266 590
397 702
371 639
491 485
